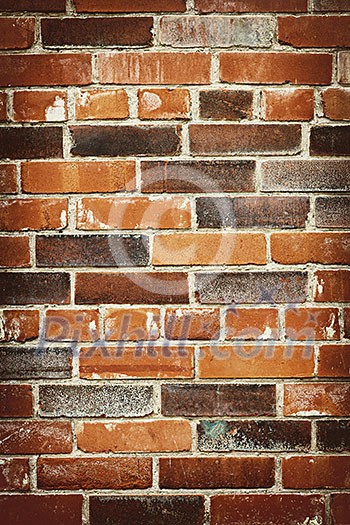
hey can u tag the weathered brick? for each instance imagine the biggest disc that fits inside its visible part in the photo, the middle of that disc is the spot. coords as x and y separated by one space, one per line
305 175
245 6
14 475
312 323
308 472
276 68
35 437
36 106
55 509
212 176
17 33
154 68
19 325
344 67
31 143
218 400
314 31
332 212
3 107
331 5
16 401
37 288
225 104
347 322
33 5
15 252
298 248
78 177
129 6
179 249
94 473
101 104
252 212
35 363
296 104
340 508
132 324
192 323
45 70
330 140
251 323
333 436
8 183
251 287
71 325
317 399
334 361
147 436
336 103
332 286
101 32
164 103
208 139
95 401
33 214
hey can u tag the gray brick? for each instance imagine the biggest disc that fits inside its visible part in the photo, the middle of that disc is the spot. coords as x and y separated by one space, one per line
35 363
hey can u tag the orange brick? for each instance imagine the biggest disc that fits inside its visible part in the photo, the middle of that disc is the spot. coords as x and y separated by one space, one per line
164 103
312 324
132 324
332 286
134 213
160 361
8 183
3 106
256 360
334 361
102 104
299 248
148 436
336 103
72 325
33 214
37 106
317 399
19 325
309 472
314 31
14 252
192 323
296 104
251 323
209 249
78 177
17 33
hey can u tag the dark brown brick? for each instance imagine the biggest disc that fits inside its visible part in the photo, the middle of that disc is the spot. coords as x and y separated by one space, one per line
153 510
36 288
331 5
222 472
218 400
330 140
16 401
129 6
207 139
220 436
313 472
305 175
132 288
347 322
35 437
250 212
35 363
44 6
333 436
340 509
125 140
210 176
30 143
53 509
14 475
251 287
226 105
332 212
104 32
92 250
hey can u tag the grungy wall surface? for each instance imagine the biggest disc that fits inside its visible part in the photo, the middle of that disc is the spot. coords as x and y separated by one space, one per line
175 295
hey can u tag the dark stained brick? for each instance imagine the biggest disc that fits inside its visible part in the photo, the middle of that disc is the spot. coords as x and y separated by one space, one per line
44 6
226 105
36 288
333 436
330 140
340 509
34 509
129 6
31 143
35 363
332 212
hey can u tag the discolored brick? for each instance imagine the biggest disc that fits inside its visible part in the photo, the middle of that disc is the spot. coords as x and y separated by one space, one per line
296 104
334 361
101 104
309 472
245 6
71 325
347 322
332 286
3 108
19 325
332 212
301 248
330 140
164 103
33 5
36 106
312 323
35 437
15 252
8 183
16 401
33 214
132 324
317 399
35 508
340 508
333 436
251 323
336 103
31 143
35 363
17 33
226 105
331 5
192 323
344 69
129 6
34 288
14 475
314 31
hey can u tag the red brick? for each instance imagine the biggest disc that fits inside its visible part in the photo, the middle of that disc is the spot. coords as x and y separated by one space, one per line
102 104
164 103
129 6
344 67
16 401
192 323
332 286
35 437
14 475
251 323
94 473
147 436
312 323
78 177
254 6
312 472
19 325
317 399
8 183
53 509
33 5
276 68
296 104
3 106
45 70
154 68
72 325
314 31
36 106
334 361
33 214
336 103
17 33
14 252
297 248
340 509
132 324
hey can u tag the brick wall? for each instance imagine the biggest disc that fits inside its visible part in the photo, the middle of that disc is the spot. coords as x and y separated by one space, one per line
175 317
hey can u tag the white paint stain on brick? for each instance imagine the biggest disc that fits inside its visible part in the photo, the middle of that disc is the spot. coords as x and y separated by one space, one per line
152 327
151 100
56 112
2 326
63 219
329 330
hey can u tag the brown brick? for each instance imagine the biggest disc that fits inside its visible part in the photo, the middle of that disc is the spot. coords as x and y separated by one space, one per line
208 139
203 176
36 106
332 212
132 324
3 107
45 70
192 323
317 399
164 103
101 104
37 288
296 104
33 509
16 401
334 361
251 323
331 5
35 363
30 143
14 252
101 32
33 5
179 249
314 31
218 400
19 325
17 33
94 473
148 436
154 68
336 103
312 323
310 472
340 508
158 362
8 183
129 6
14 475
332 286
246 6
276 68
71 325
298 248
343 68
261 509
226 105
134 213
330 140
78 177
222 472
35 437
33 214
347 322
333 436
